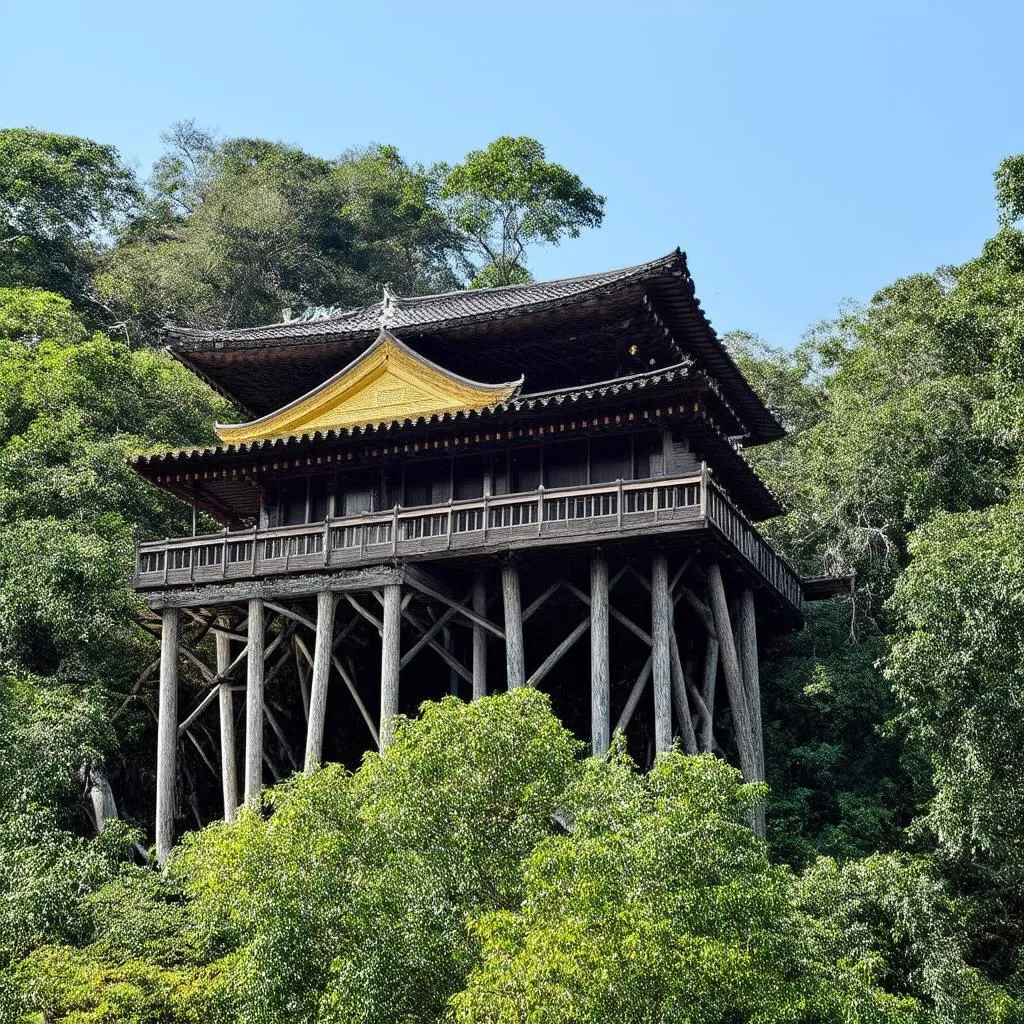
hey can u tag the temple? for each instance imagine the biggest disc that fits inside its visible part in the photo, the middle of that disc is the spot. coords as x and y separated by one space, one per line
535 485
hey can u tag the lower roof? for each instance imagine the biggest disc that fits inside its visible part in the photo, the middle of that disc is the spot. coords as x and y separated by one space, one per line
223 479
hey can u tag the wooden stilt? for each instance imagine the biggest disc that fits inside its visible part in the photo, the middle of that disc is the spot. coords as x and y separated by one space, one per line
600 673
325 605
390 660
448 643
707 735
254 706
514 656
167 734
733 675
229 780
661 658
682 700
752 671
752 678
479 637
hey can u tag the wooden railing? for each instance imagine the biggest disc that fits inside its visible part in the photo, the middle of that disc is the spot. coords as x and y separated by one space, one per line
619 508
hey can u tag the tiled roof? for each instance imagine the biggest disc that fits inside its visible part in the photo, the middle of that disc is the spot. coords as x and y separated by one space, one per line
399 313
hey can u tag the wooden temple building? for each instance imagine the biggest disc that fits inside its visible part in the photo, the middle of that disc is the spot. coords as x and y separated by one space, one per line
535 485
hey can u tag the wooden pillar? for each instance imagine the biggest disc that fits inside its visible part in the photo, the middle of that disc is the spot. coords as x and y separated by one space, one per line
707 731
325 605
228 776
733 676
751 671
254 706
167 735
390 660
661 665
515 661
479 637
682 701
600 673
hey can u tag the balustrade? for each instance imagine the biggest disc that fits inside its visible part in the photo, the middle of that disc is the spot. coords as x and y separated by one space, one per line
623 508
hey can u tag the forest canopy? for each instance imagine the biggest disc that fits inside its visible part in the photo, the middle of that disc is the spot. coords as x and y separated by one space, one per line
507 879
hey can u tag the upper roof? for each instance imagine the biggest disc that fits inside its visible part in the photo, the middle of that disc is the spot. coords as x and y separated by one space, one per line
562 333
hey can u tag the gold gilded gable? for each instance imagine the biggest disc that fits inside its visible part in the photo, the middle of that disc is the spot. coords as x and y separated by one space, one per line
388 382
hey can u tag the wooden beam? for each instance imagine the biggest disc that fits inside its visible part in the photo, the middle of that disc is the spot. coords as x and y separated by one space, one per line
634 696
167 735
661 670
254 706
612 610
390 660
515 665
704 613
366 613
291 586
289 613
281 738
449 659
556 655
419 581
322 651
208 698
538 602
350 684
600 671
436 627
479 636
229 780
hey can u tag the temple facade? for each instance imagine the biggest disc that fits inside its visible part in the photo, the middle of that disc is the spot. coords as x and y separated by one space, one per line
536 485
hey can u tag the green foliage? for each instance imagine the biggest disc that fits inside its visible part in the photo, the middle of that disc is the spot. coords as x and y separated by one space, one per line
507 197
478 870
60 198
955 665
838 785
659 905
236 231
896 921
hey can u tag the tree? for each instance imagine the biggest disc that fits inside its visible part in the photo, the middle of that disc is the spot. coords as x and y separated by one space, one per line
507 197
237 230
477 870
62 198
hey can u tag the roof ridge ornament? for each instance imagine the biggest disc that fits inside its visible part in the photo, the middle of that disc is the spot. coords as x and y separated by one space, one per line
387 306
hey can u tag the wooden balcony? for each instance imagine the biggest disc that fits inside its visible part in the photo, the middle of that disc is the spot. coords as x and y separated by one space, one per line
490 524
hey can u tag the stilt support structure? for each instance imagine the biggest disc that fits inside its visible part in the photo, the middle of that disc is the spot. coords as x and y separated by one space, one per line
322 651
661 666
479 637
228 775
254 706
515 661
167 735
390 661
600 674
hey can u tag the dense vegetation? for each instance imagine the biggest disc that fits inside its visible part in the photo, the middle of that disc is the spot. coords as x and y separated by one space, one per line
481 870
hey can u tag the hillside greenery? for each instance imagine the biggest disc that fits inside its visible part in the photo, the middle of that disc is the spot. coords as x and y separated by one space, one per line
483 869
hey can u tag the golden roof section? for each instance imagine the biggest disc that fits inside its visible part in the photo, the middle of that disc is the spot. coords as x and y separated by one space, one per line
388 382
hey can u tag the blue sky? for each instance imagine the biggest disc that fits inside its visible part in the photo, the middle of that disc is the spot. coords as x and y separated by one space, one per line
802 154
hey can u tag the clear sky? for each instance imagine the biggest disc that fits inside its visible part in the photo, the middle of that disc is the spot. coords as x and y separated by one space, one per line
801 153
